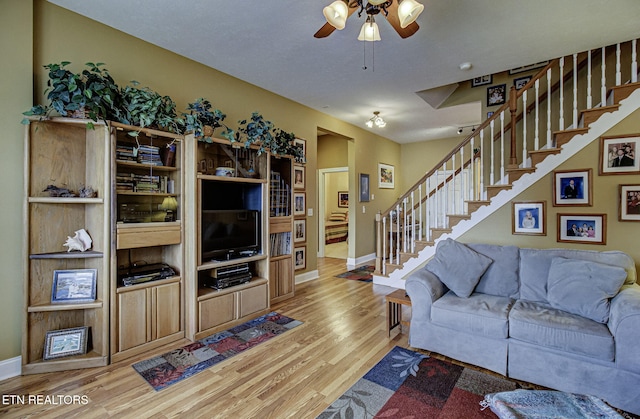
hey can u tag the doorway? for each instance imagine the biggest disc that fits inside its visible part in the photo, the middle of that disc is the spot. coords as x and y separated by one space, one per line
333 213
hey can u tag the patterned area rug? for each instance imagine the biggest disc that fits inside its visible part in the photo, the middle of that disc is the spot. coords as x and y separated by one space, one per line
409 384
363 273
175 366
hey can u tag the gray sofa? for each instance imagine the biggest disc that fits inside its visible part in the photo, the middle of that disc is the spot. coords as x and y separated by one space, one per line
561 318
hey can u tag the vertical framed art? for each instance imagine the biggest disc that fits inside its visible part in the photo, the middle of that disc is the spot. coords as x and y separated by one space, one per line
572 188
386 176
365 194
629 207
529 218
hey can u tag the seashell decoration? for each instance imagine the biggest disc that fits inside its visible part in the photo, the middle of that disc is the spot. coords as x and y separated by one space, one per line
81 241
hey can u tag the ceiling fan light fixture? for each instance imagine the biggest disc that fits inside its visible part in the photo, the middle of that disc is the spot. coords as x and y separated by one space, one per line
369 31
408 12
336 14
376 2
376 120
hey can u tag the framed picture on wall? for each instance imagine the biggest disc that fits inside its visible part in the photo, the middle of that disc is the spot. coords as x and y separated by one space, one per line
618 155
301 143
386 176
529 218
364 188
629 203
496 95
481 81
300 257
343 199
298 176
521 81
582 228
299 204
300 231
572 188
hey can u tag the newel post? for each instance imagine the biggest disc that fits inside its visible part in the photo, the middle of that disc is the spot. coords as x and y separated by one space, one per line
378 244
513 109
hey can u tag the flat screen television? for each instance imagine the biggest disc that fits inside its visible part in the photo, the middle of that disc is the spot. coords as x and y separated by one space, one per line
229 234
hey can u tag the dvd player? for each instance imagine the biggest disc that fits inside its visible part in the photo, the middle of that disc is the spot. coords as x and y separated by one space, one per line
227 281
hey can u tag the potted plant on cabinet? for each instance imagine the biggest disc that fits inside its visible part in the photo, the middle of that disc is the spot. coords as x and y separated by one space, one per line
203 121
256 131
146 108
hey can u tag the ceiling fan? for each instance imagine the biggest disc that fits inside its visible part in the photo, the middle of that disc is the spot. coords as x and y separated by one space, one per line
401 14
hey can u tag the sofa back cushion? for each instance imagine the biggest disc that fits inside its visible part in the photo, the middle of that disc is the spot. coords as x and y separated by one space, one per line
535 265
501 278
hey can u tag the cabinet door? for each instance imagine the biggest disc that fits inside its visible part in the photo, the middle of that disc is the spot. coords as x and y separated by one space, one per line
253 299
285 277
167 310
133 319
216 311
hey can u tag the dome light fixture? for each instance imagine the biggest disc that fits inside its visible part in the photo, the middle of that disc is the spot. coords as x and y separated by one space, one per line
376 120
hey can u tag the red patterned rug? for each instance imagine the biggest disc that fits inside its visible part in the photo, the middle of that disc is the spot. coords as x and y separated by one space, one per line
363 273
408 384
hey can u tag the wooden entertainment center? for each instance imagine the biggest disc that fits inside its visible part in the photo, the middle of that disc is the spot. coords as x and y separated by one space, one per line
162 273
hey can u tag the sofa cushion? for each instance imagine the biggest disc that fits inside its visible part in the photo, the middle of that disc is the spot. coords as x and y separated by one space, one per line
535 264
540 324
458 266
501 277
480 314
583 287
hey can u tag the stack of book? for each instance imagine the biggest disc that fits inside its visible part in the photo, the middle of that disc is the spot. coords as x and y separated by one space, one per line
149 154
125 152
280 244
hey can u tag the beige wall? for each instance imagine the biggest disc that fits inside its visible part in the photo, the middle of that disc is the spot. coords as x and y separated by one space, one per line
333 151
334 183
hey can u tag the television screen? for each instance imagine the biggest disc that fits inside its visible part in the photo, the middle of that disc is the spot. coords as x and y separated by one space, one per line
228 234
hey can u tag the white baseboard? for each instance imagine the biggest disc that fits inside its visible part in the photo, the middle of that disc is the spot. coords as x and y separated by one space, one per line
11 367
307 276
353 262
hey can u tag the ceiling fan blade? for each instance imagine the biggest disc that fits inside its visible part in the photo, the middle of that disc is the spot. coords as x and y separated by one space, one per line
394 20
327 29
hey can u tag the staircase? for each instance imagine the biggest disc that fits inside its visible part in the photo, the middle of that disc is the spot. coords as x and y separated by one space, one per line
477 177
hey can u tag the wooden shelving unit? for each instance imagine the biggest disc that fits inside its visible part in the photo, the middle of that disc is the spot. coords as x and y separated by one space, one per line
65 153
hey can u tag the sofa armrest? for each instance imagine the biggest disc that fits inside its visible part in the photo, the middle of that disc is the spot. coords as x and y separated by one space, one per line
624 324
423 288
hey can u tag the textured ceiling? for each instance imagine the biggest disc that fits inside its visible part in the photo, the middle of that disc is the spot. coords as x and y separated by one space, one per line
270 44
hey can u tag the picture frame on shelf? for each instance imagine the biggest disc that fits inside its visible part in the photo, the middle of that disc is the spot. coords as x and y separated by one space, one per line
65 342
482 80
302 143
300 231
343 199
300 257
74 286
365 191
496 95
582 228
386 176
520 82
529 218
572 188
618 155
629 208
298 176
299 203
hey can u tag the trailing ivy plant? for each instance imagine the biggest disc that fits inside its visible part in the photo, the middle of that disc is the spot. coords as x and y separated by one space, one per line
144 108
256 131
200 116
102 92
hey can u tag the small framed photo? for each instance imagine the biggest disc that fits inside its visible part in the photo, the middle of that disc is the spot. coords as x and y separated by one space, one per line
301 143
298 176
572 188
299 203
529 218
386 176
496 95
300 231
521 81
618 155
65 342
629 203
582 228
74 286
364 188
300 255
343 199
481 81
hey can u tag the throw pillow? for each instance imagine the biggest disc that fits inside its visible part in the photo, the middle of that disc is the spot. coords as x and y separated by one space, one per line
338 216
583 287
458 267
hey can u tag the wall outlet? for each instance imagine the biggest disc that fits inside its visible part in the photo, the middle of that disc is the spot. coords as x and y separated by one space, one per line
310 212
364 209
373 197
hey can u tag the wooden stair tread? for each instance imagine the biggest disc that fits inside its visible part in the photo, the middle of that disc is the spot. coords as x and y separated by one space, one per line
554 150
482 201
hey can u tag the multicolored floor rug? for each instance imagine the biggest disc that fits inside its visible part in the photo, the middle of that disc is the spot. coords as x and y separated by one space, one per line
408 384
363 273
172 367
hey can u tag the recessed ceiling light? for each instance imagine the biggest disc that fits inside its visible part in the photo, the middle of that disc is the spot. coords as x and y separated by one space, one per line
465 66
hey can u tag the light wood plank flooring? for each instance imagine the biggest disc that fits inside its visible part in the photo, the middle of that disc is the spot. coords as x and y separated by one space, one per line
297 374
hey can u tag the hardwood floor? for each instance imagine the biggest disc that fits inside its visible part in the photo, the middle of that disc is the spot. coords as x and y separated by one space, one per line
297 374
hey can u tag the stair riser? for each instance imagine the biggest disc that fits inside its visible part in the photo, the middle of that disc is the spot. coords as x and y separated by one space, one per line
436 233
592 115
514 175
564 137
495 190
623 92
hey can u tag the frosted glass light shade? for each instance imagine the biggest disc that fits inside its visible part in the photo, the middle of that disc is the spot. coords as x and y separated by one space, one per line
376 2
408 12
369 31
336 14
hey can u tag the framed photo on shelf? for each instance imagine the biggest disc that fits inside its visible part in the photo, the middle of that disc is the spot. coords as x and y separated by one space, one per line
299 203
298 176
302 143
65 342
343 199
300 231
521 81
74 286
529 218
572 188
618 155
481 81
300 257
582 228
386 176
629 203
365 194
496 95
